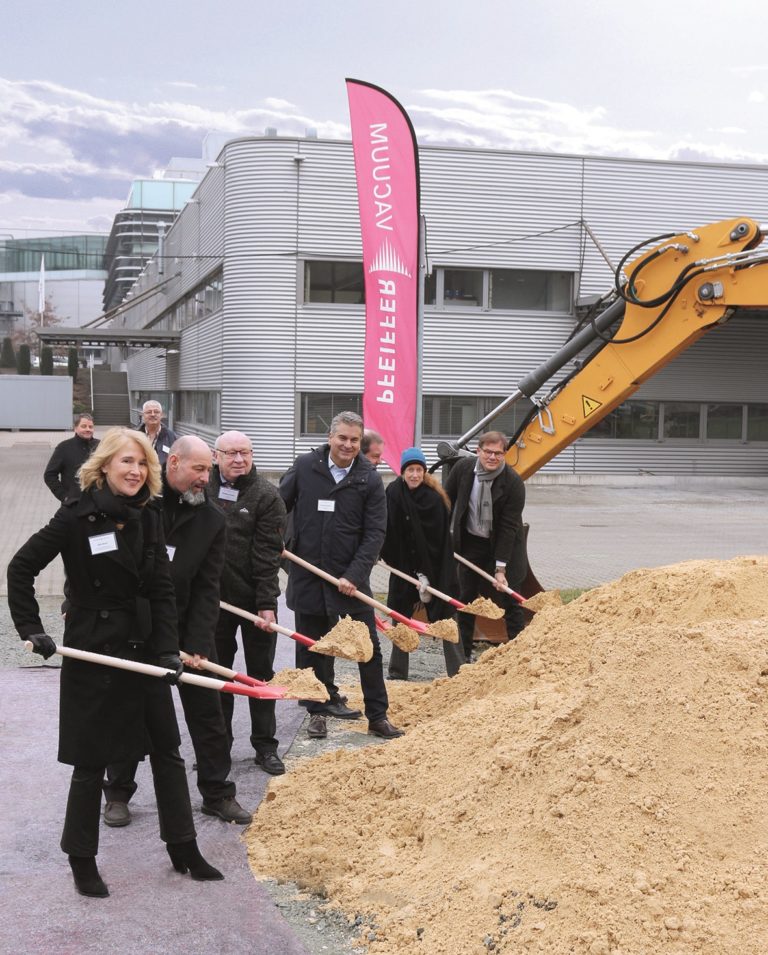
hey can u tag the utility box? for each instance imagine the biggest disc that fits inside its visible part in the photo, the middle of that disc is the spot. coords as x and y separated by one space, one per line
35 403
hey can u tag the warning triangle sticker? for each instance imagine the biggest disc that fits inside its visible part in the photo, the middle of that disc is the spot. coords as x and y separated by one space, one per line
589 405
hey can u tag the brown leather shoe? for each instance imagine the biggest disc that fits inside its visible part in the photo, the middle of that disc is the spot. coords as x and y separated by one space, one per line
317 728
384 729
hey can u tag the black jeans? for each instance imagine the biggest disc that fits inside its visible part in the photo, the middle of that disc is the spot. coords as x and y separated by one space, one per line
371 673
174 809
210 741
259 651
472 585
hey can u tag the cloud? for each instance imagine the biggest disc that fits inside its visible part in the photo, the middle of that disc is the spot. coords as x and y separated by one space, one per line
63 145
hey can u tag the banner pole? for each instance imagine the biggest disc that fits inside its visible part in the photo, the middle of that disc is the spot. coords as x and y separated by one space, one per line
420 329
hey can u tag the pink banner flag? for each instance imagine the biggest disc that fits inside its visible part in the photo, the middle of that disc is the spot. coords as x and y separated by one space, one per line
386 165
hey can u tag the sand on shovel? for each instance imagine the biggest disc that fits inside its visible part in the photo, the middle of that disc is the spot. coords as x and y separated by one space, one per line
300 685
403 637
444 630
483 607
349 639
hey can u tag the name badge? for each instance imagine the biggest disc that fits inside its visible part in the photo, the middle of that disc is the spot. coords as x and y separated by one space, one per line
229 493
166 449
171 551
103 543
325 505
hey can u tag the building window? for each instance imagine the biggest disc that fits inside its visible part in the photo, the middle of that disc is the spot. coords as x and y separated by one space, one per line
450 416
199 408
632 420
463 287
519 290
341 283
681 420
725 422
318 409
200 303
757 422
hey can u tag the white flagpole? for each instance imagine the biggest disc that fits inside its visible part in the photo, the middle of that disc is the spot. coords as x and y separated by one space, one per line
41 291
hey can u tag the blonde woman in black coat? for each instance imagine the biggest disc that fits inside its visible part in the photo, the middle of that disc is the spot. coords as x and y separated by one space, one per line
120 603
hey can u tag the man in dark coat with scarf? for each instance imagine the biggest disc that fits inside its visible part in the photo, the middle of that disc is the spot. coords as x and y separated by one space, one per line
488 498
339 521
61 471
195 535
255 518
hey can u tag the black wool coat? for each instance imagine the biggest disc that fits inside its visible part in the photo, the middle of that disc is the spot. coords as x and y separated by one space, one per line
255 527
344 541
117 606
61 471
508 496
195 537
418 541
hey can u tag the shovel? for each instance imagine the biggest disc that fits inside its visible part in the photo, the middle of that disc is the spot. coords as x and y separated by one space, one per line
416 625
478 570
224 671
149 669
433 590
298 637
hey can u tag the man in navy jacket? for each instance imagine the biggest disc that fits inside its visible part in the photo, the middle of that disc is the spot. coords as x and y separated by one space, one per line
339 522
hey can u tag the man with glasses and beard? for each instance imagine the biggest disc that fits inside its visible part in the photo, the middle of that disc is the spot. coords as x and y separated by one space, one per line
487 498
255 516
195 532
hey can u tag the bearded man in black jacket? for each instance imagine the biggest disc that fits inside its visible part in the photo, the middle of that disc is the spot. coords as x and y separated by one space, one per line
195 536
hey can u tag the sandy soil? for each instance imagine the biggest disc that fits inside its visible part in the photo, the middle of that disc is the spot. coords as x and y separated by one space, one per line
597 786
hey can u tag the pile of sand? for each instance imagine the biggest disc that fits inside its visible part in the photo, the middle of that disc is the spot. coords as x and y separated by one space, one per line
600 786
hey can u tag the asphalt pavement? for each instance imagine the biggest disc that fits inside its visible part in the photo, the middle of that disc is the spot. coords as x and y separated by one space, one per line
581 535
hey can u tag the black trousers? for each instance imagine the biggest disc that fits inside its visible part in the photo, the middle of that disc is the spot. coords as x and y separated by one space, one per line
210 741
399 659
472 585
174 809
371 673
259 651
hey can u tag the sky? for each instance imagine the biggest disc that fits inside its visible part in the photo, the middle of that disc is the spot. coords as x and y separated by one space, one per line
93 96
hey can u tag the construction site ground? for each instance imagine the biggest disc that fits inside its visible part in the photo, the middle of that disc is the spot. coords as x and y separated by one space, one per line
582 535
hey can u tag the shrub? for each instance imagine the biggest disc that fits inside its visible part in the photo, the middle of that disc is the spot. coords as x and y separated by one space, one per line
24 360
46 360
7 356
72 363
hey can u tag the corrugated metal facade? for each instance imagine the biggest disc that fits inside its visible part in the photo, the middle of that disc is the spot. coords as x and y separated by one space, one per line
272 204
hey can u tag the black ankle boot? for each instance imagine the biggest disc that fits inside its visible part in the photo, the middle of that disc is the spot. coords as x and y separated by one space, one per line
87 878
185 856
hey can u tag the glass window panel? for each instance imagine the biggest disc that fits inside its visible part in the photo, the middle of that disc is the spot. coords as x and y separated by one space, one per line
337 282
199 407
531 290
724 422
463 287
682 419
757 423
449 416
318 409
632 420
430 288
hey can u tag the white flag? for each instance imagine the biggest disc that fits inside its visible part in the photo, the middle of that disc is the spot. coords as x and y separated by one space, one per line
41 287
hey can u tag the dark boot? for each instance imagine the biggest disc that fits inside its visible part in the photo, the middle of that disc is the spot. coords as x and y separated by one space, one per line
186 857
87 878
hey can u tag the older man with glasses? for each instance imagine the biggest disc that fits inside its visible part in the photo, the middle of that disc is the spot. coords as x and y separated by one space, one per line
487 498
255 516
152 425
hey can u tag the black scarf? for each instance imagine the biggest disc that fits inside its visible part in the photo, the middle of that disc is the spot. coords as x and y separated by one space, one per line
121 509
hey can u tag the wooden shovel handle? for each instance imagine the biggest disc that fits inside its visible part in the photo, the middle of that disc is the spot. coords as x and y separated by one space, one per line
478 570
298 637
371 601
433 590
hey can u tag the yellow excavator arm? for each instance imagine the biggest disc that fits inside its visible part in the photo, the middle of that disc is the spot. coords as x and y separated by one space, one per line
666 299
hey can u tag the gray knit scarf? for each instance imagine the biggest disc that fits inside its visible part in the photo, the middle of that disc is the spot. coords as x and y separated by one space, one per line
483 516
